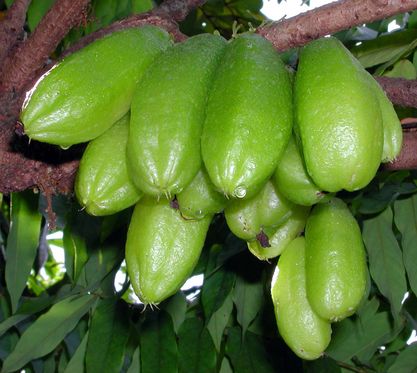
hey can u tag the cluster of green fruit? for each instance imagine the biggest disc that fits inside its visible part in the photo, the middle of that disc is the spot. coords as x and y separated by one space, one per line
184 131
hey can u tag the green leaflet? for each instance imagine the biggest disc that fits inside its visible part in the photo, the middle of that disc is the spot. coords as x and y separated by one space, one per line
22 242
48 330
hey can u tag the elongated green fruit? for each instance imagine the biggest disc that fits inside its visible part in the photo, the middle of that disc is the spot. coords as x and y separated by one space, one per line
258 216
292 179
249 117
393 134
162 249
338 117
84 94
335 261
283 236
168 113
199 198
102 184
306 333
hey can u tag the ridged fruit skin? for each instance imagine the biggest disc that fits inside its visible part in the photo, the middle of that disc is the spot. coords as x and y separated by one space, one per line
168 112
292 180
199 198
249 117
393 134
162 249
335 261
283 236
83 95
338 118
306 333
102 184
262 213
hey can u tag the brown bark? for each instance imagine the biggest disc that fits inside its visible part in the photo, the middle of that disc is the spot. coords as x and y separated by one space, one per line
402 92
407 160
329 19
11 28
25 62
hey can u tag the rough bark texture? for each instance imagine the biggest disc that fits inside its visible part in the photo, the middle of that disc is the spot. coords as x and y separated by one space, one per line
24 165
329 19
11 29
408 156
402 92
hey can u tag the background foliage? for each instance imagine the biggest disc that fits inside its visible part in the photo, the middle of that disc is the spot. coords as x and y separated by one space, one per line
71 318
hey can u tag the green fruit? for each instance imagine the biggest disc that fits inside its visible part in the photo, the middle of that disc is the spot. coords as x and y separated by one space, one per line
338 118
249 117
102 184
168 112
335 261
82 96
199 198
259 216
302 329
283 236
162 249
292 179
393 134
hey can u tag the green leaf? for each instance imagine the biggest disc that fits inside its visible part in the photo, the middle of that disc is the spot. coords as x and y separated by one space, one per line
248 297
384 48
135 365
158 345
176 306
101 262
406 361
107 337
48 330
402 69
361 337
249 355
322 365
219 320
385 259
22 243
75 245
225 367
140 6
215 290
37 9
196 349
76 364
375 201
405 217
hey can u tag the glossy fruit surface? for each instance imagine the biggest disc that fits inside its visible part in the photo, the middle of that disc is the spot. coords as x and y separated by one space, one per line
261 214
302 329
249 117
102 184
335 261
199 198
283 236
393 134
168 112
292 180
84 94
162 249
338 118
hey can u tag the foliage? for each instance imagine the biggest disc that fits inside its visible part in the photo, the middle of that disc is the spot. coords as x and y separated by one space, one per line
81 321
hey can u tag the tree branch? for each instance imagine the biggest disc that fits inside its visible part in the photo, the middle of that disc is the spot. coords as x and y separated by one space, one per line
32 55
402 92
11 28
329 19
